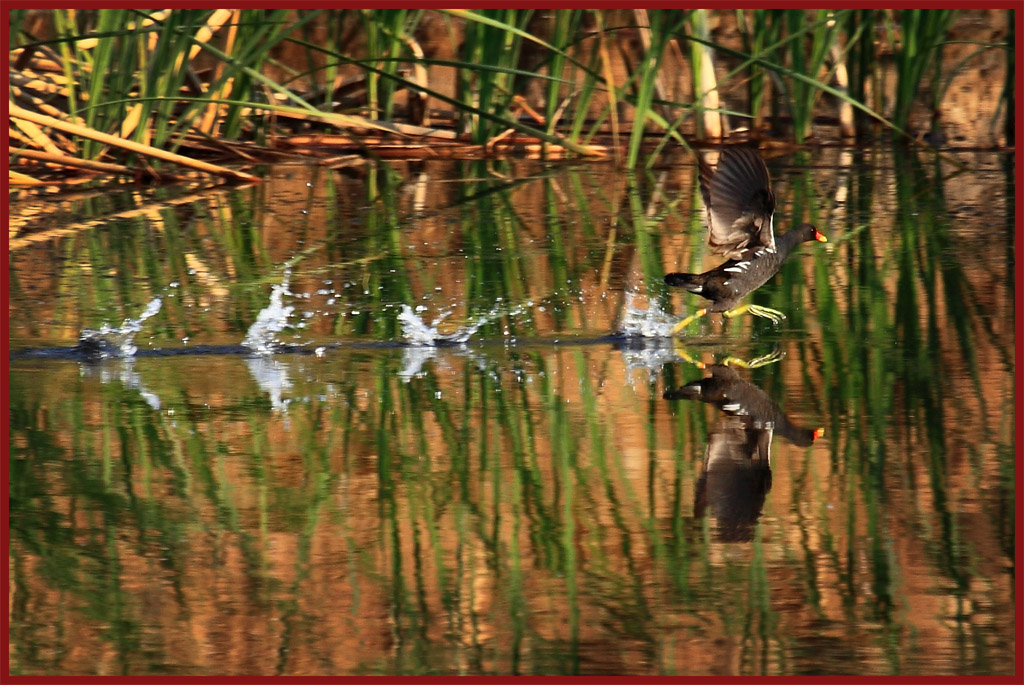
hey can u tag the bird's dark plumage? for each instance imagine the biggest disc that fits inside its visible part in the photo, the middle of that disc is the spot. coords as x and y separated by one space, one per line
725 389
740 204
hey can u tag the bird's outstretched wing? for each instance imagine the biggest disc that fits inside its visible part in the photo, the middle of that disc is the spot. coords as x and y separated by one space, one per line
739 201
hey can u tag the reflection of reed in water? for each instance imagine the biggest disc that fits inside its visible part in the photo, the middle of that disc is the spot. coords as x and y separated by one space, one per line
737 471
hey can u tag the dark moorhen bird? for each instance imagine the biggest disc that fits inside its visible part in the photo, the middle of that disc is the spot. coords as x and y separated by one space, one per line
740 203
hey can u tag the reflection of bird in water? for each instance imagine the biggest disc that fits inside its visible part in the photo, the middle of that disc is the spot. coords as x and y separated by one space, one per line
736 478
740 204
737 473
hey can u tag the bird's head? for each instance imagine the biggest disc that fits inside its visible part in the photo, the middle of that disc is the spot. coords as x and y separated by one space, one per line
811 233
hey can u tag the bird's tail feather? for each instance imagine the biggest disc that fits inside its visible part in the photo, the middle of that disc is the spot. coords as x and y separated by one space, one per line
692 282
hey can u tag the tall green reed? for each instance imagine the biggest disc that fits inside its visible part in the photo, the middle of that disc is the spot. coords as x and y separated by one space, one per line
916 37
795 50
386 32
131 72
862 63
758 31
808 59
496 43
663 25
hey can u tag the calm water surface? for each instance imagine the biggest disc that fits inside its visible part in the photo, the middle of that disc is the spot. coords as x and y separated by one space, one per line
544 493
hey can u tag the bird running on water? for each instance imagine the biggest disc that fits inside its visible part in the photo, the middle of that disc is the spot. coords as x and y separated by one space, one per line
739 201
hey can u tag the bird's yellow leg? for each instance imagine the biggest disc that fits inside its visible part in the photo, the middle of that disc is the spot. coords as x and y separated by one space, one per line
688 320
767 312
770 358
678 348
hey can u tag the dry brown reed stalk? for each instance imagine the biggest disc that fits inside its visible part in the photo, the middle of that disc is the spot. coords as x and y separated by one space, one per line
23 115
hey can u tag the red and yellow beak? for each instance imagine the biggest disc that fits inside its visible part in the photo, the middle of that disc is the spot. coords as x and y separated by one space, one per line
819 237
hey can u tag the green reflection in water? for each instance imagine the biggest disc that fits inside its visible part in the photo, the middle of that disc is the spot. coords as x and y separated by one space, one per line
524 508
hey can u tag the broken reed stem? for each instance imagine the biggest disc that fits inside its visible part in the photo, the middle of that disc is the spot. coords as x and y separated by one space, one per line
17 112
91 165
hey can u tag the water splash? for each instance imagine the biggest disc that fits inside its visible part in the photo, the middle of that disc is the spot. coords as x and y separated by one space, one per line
262 335
272 378
652 322
121 371
413 359
416 331
118 341
647 356
424 338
